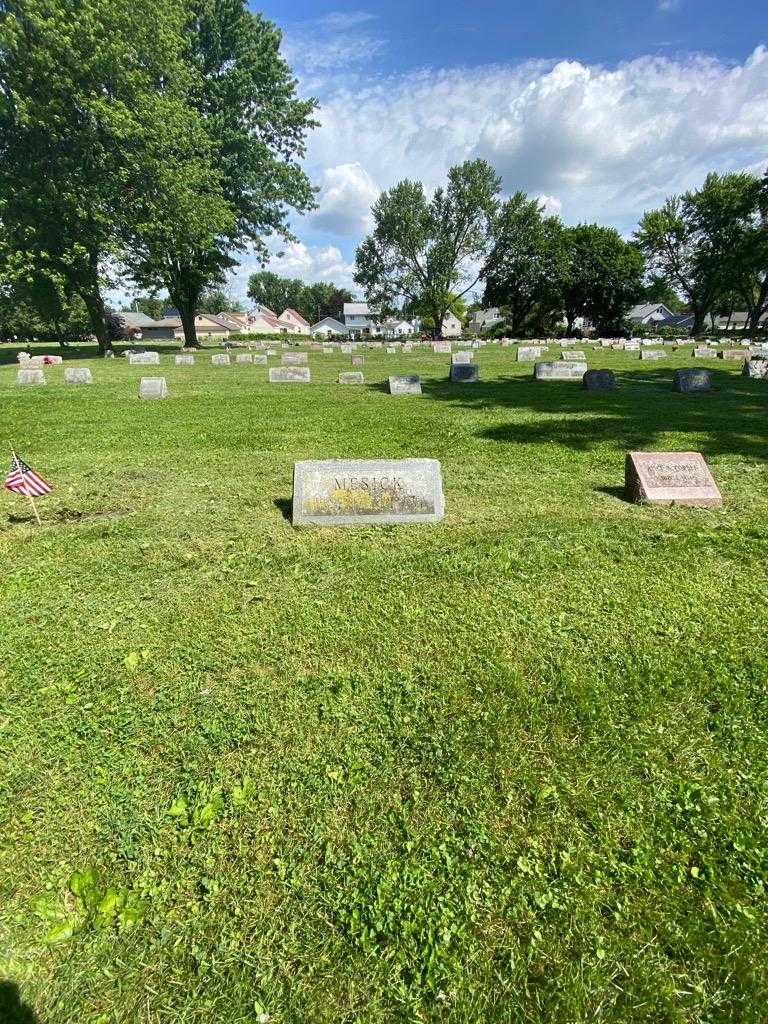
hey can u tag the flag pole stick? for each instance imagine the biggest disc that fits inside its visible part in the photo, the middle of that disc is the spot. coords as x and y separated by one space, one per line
31 499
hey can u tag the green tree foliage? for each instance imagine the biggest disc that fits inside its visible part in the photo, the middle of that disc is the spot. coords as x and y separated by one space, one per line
217 300
313 301
599 276
79 98
658 289
425 250
453 304
521 273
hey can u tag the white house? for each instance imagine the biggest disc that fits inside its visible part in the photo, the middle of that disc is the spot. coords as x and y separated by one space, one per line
296 321
359 318
328 326
206 326
484 320
451 326
649 313
397 328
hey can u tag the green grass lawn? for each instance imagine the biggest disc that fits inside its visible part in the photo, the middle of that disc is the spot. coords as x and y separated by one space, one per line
508 768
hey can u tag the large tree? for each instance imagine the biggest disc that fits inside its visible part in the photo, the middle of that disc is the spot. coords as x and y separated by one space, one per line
427 249
521 272
246 177
79 85
313 301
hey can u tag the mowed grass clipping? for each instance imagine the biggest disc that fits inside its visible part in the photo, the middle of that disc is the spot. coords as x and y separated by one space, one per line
511 767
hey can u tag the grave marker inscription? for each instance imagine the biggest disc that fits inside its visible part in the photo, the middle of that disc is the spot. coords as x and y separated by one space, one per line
670 478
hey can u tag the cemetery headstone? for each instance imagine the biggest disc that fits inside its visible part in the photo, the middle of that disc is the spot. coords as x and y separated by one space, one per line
530 353
441 346
599 380
289 375
653 353
465 373
221 359
704 352
351 377
357 360
244 357
153 387
576 355
144 358
560 370
78 375
185 360
756 367
260 360
354 492
670 478
689 380
731 353
295 359
32 376
408 384
460 358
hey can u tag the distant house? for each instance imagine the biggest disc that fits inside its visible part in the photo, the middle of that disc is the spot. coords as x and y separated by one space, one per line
136 326
296 321
395 328
451 326
484 320
359 318
237 322
649 313
206 326
679 321
328 326
734 322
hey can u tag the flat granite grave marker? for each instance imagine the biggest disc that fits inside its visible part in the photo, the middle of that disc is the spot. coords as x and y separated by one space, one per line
221 359
575 355
295 359
732 353
144 358
702 352
689 380
441 346
408 384
391 351
351 377
244 357
78 375
153 387
357 360
599 380
185 360
670 478
560 370
260 360
289 375
465 373
530 353
653 353
26 377
461 358
366 492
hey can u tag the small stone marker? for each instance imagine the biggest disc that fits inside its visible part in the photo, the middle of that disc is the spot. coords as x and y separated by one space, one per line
631 346
409 384
391 351
354 492
530 353
78 375
351 377
599 380
244 357
732 353
407 347
441 346
756 367
26 377
295 359
222 359
575 355
687 381
653 353
185 360
260 360
289 375
144 358
670 478
460 358
561 370
153 387
702 352
357 360
465 373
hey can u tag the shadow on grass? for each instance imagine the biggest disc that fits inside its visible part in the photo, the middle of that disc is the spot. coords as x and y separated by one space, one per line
730 419
285 508
12 1010
614 492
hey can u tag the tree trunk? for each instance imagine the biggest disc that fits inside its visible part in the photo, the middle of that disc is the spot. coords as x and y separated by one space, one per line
759 307
698 322
569 319
94 304
187 313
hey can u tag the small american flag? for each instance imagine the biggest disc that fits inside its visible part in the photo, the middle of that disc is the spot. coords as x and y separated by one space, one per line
24 480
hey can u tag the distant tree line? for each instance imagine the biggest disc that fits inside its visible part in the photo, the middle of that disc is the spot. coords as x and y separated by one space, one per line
152 140
705 252
313 301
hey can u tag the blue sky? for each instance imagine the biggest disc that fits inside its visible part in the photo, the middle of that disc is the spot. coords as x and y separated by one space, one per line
600 109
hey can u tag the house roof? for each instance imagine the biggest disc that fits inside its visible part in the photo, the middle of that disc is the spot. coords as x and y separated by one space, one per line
356 309
677 320
130 319
214 319
644 309
260 308
236 320
295 315
331 321
271 319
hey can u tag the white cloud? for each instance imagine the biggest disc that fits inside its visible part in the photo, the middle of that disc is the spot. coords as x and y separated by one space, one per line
346 196
668 5
604 143
296 259
333 42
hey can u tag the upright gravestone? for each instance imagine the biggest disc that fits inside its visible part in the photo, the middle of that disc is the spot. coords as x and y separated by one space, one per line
732 353
260 360
560 370
408 384
756 367
244 357
704 352
357 360
78 375
221 359
670 478
391 351
295 359
441 347
289 375
691 380
530 353
357 492
153 387
185 360
351 377
144 358
465 373
653 353
599 380
575 355
460 358
27 377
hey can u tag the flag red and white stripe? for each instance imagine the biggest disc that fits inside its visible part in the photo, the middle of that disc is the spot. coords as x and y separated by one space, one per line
24 480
